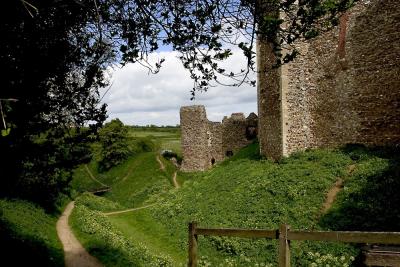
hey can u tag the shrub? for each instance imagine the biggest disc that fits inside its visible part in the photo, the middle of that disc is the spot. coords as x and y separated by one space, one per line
168 154
144 144
114 142
316 259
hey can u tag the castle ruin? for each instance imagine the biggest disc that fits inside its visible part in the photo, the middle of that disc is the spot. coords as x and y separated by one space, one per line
205 143
343 88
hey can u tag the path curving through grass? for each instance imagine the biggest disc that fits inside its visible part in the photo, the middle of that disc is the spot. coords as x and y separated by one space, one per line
332 193
162 167
75 254
128 210
175 181
92 176
131 168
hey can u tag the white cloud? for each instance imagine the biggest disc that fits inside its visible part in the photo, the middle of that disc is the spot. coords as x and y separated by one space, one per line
137 97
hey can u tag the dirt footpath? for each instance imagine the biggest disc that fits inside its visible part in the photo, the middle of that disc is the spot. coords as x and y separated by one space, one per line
75 255
162 167
175 181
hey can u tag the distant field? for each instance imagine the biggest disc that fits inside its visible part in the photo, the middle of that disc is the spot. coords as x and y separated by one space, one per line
167 138
141 133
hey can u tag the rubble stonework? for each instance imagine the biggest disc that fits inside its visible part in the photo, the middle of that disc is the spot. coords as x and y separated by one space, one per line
343 88
205 143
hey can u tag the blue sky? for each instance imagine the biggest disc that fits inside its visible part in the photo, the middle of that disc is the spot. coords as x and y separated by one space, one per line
137 97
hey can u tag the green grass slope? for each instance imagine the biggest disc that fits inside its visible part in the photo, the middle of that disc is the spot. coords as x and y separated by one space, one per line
248 192
83 182
144 179
370 199
28 235
131 182
106 242
138 179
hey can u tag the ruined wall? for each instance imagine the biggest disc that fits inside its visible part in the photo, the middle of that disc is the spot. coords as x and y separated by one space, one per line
194 127
269 102
214 143
205 143
345 85
367 83
234 133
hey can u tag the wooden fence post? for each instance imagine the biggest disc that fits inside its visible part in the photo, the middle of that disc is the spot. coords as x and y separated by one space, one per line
192 244
284 248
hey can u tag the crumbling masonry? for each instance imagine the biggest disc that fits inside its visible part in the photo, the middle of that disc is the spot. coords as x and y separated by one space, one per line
343 88
205 143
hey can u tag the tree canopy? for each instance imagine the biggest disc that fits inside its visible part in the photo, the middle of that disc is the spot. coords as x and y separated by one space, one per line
205 31
115 147
52 69
56 53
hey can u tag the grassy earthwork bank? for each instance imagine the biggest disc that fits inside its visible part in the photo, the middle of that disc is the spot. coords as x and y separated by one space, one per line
139 181
245 191
141 178
28 232
28 235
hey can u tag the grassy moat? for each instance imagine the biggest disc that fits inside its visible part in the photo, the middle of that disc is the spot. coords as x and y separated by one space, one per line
245 191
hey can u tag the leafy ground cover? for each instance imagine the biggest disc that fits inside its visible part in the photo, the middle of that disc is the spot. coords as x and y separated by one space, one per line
28 235
247 191
107 243
132 182
370 199
132 186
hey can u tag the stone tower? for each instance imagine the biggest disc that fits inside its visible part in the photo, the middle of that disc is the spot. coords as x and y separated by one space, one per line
344 87
205 143
194 127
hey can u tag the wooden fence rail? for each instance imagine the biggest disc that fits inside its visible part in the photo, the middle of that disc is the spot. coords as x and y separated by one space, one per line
284 234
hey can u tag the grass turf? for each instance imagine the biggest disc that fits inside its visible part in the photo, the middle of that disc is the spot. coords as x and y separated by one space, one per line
28 235
249 192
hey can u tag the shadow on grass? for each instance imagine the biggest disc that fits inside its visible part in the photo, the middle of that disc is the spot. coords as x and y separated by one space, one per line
250 152
109 256
27 251
370 200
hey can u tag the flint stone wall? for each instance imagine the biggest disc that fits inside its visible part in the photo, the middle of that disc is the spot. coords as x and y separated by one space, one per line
205 143
194 127
343 88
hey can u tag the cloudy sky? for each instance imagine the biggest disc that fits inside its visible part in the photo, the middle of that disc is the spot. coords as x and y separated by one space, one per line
139 98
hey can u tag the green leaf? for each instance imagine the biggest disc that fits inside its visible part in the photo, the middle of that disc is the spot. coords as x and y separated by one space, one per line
5 132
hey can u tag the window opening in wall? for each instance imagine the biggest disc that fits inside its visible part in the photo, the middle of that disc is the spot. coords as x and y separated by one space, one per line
229 153
212 161
251 133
